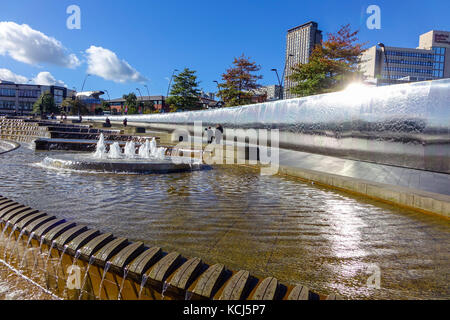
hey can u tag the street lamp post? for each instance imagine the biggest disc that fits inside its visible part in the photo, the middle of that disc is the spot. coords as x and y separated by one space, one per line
217 82
279 83
82 88
170 82
148 91
218 89
109 97
84 82
383 49
142 99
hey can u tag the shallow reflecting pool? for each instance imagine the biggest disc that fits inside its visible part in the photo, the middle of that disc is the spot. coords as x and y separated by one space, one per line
274 226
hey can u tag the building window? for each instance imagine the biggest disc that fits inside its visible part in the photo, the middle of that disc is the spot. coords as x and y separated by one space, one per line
8 92
8 105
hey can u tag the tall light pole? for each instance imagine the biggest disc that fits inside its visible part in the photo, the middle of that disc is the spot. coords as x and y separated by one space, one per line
109 97
218 90
170 82
142 102
84 82
218 87
148 91
284 72
383 49
82 88
279 83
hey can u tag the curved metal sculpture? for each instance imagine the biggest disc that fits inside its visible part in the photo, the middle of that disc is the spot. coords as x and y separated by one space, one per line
404 125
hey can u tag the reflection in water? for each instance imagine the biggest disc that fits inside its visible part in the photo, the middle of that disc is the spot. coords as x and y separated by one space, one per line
267 225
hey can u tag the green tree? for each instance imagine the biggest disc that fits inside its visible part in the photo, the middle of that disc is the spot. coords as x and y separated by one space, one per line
149 107
332 65
185 93
131 102
45 104
75 106
239 82
106 106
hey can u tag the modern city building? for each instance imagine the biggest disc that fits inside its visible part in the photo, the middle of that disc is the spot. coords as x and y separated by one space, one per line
429 61
91 99
18 99
118 106
300 43
272 92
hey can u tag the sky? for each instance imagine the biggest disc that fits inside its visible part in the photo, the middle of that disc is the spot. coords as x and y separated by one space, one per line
125 45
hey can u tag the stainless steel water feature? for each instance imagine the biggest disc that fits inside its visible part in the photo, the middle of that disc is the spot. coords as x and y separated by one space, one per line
404 125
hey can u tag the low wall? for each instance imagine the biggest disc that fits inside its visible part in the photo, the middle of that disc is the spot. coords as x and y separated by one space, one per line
8 146
74 262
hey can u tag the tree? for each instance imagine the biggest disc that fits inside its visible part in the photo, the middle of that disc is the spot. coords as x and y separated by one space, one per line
332 65
45 104
185 93
75 106
239 82
106 106
149 107
131 102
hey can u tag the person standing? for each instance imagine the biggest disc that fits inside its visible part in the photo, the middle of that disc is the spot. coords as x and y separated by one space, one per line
219 134
125 122
210 135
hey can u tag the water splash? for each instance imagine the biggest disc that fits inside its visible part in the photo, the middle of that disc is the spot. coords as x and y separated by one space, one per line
49 254
164 289
105 271
38 253
130 150
145 150
100 152
148 150
16 246
91 261
58 266
115 152
143 283
188 296
26 250
125 275
4 229
74 263
7 243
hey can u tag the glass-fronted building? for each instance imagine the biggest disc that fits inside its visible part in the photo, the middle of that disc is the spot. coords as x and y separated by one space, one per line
300 43
18 99
429 61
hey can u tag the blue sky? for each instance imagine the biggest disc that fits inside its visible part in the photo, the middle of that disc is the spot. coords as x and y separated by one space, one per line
154 37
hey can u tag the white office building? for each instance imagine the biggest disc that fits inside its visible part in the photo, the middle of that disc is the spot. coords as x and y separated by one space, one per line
429 61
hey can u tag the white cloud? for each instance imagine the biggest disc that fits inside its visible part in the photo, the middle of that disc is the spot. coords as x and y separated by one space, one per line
105 64
24 44
8 75
47 79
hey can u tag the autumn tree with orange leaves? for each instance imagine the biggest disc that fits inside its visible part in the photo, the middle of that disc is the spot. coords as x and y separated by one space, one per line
332 65
240 81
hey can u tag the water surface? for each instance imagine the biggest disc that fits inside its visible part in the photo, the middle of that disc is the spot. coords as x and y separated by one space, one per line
270 226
